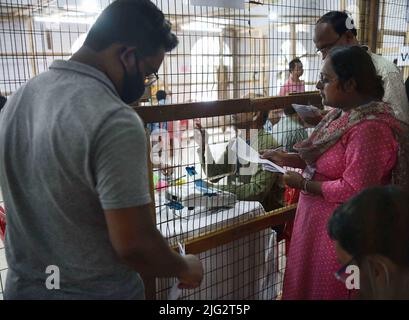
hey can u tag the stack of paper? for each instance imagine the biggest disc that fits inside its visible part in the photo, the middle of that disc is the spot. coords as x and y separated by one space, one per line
272 167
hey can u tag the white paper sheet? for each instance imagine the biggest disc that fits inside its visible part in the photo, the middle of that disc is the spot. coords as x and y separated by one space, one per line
272 167
247 153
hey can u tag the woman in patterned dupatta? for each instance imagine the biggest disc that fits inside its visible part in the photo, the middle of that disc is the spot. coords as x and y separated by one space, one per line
354 147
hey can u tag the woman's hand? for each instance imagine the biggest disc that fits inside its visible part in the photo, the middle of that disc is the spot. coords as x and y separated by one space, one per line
279 157
294 180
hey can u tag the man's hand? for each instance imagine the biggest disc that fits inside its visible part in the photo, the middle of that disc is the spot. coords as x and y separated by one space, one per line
193 275
294 180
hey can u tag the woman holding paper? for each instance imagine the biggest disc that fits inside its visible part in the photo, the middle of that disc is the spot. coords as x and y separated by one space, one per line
354 147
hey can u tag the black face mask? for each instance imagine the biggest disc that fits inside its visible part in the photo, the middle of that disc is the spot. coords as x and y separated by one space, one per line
133 87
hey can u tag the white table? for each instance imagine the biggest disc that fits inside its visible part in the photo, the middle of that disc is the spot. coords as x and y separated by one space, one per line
186 224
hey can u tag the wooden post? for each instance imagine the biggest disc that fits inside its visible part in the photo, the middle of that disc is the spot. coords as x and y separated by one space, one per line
343 5
30 22
381 31
363 13
373 25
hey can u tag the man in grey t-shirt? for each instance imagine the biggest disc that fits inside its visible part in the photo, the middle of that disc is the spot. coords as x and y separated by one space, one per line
73 169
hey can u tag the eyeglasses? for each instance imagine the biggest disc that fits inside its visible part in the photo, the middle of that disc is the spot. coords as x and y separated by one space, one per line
341 275
151 79
324 50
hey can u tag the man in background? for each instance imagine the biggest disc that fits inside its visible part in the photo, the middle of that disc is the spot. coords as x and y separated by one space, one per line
336 28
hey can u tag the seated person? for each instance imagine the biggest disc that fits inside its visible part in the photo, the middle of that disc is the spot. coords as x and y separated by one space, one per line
262 186
294 84
289 130
371 231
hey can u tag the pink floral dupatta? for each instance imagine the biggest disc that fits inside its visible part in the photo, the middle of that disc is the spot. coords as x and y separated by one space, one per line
324 136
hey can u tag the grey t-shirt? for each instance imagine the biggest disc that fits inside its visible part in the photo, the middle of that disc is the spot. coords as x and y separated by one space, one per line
69 149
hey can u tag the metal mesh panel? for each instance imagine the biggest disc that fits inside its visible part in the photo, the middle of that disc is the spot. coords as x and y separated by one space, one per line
223 54
251 268
393 29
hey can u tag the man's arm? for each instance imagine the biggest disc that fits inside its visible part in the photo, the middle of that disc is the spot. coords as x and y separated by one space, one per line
120 163
140 245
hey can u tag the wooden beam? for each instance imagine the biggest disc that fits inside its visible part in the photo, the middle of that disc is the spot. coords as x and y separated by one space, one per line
34 54
218 238
220 108
388 50
394 33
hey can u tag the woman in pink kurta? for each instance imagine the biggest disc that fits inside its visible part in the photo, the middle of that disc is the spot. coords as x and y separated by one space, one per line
363 157
354 147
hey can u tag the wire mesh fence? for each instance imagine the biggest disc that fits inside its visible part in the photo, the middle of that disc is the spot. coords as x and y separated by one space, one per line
393 31
201 185
250 268
205 181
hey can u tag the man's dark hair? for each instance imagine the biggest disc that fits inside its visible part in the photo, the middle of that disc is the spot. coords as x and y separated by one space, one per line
376 221
339 21
161 95
293 64
136 23
354 62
